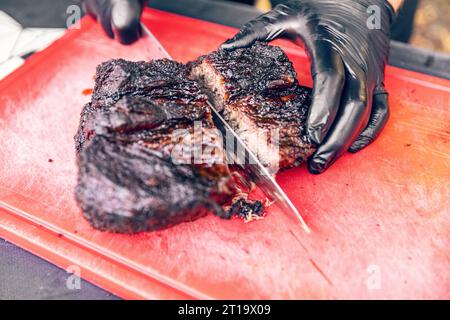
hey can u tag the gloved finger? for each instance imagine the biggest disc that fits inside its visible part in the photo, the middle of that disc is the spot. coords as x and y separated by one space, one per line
378 119
351 119
266 27
125 20
102 13
105 22
329 78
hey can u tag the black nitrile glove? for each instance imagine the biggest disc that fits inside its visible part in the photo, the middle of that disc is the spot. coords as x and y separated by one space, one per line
119 18
350 104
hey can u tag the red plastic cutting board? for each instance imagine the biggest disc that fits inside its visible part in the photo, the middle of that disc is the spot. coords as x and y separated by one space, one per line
380 219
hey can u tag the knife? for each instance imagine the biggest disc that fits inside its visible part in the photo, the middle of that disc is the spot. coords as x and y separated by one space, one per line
257 171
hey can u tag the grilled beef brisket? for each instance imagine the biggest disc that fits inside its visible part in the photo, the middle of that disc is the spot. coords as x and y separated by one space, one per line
258 91
138 168
131 176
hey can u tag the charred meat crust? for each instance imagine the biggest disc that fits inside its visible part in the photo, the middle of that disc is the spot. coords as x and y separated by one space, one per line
127 180
260 69
129 188
135 85
246 209
159 79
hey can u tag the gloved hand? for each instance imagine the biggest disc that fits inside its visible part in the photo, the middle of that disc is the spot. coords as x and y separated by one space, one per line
350 104
119 18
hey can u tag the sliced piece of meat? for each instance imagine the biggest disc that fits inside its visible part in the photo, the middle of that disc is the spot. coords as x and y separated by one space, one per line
257 90
230 75
273 127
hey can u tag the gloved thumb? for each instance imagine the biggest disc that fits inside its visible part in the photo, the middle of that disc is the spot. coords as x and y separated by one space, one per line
266 27
260 29
125 20
244 38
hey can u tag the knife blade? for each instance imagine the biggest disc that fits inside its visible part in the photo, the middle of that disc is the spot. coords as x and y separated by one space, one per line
257 171
259 174
147 33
